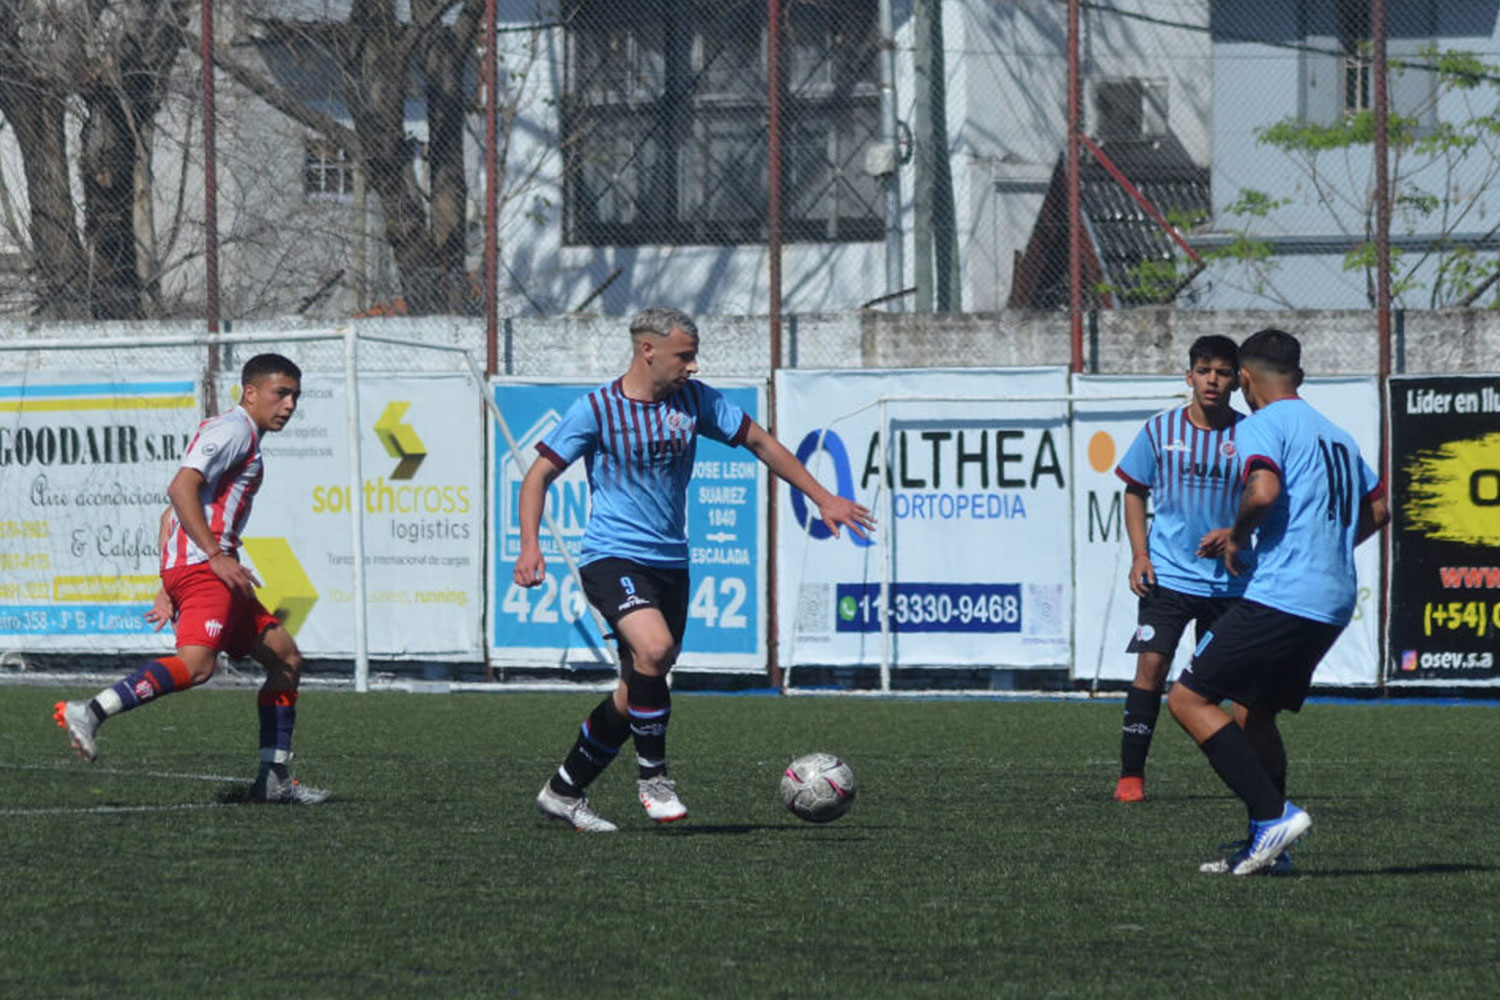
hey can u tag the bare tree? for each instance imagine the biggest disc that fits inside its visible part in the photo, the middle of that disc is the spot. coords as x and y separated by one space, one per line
378 55
110 64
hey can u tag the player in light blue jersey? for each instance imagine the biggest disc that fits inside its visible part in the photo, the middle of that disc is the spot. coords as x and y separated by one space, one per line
1310 498
1185 460
637 436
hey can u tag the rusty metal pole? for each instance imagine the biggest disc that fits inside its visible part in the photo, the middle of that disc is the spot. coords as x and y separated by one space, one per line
491 229
1075 217
1382 294
773 250
210 207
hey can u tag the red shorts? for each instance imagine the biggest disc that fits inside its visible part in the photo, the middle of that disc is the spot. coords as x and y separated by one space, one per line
207 613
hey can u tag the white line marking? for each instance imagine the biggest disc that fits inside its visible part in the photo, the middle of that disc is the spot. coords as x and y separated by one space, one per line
87 769
85 810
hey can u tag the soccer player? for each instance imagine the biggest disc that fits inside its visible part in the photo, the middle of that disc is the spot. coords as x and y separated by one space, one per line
1310 498
1185 460
637 436
208 594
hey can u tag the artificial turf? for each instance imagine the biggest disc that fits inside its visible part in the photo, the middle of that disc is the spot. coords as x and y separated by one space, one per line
982 858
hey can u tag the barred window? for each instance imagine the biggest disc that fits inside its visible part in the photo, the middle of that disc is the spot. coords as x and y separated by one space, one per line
665 123
327 172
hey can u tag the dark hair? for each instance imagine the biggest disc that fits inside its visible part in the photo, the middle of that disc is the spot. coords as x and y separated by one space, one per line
1274 349
1214 347
262 365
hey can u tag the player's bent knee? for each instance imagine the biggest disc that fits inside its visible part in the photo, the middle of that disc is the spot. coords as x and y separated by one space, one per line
655 660
1151 671
1182 699
199 661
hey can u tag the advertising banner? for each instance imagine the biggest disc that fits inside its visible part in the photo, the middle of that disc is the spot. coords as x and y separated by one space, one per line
967 471
1445 523
1105 610
421 497
1108 414
551 624
84 467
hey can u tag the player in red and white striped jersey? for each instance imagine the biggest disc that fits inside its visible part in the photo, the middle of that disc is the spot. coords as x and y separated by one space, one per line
226 453
207 594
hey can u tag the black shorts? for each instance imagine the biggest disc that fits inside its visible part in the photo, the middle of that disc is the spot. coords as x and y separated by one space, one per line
619 586
1259 657
1163 613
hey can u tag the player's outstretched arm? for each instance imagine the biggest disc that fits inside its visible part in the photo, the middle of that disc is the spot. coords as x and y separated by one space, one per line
531 567
835 510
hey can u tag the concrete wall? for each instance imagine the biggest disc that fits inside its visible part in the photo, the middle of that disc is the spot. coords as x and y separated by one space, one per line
1140 341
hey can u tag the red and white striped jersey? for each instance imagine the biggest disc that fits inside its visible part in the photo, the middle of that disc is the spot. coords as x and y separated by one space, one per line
226 450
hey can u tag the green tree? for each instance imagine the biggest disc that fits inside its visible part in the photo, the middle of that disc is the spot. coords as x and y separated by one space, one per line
1440 175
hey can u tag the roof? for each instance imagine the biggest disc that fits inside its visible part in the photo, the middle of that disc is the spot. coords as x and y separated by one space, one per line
1119 233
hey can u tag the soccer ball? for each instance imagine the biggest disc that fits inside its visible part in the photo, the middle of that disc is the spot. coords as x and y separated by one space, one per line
818 787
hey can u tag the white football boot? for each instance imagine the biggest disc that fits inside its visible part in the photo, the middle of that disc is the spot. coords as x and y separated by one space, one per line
659 799
79 721
275 785
575 812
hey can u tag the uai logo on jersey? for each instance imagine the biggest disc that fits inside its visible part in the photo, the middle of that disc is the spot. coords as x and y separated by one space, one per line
400 440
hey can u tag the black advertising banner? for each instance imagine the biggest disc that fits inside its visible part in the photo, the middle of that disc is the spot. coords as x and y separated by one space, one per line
1445 507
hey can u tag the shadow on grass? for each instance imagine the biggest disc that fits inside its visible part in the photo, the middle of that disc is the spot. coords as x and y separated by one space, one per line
239 795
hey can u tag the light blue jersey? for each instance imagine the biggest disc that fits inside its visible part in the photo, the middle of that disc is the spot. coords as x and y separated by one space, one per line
1305 545
639 457
1194 478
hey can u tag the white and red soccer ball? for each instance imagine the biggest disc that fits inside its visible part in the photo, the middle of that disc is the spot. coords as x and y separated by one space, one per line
818 787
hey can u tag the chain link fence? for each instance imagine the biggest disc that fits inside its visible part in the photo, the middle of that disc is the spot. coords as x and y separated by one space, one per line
364 164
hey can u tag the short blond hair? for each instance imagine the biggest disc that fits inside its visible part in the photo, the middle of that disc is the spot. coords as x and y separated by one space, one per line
661 321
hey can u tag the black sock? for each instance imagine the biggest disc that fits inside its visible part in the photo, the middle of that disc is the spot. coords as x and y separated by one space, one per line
650 711
599 740
1141 709
1233 759
1272 755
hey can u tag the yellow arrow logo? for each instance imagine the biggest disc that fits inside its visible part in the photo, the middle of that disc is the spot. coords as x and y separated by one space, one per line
400 440
287 592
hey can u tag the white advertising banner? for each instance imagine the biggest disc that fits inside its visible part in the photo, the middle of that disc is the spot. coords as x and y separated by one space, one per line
967 472
84 467
1108 413
422 498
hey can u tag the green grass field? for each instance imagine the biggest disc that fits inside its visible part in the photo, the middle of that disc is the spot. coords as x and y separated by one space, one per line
983 858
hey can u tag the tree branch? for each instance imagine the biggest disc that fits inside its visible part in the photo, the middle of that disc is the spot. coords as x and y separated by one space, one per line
277 97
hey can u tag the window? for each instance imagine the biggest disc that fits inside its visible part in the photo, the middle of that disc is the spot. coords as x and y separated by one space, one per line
1129 108
327 172
1357 95
665 123
1337 62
